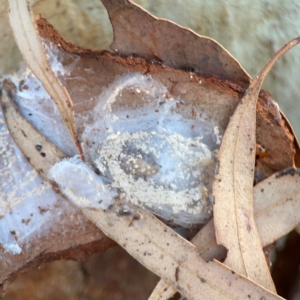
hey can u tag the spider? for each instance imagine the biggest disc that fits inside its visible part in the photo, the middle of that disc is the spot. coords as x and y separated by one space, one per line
261 152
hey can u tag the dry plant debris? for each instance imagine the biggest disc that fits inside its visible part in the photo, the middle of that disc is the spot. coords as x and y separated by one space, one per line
33 52
238 110
233 186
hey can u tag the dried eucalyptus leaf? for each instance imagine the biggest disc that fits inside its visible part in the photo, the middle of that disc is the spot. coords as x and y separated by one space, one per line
138 32
94 70
142 234
205 242
90 72
33 52
183 52
276 203
134 222
155 245
30 140
37 225
192 278
233 187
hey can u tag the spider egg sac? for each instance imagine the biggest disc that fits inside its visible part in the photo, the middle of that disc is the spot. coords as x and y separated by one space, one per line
154 156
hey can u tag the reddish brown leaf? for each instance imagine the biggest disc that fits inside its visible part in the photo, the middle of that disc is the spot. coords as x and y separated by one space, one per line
138 32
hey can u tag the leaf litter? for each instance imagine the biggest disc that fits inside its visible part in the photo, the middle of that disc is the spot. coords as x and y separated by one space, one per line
280 208
177 268
140 233
233 187
32 49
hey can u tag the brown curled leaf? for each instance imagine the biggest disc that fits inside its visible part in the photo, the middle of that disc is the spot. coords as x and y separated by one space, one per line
164 41
216 98
160 40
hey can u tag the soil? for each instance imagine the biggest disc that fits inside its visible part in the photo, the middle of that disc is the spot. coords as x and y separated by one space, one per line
110 275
